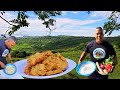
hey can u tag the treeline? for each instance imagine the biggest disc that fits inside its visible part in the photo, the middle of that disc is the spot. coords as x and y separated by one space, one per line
31 45
19 54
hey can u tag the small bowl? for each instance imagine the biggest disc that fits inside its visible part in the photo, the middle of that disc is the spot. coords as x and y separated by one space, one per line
86 68
9 65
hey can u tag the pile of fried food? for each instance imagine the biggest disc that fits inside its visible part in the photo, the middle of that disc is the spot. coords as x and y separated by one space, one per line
45 64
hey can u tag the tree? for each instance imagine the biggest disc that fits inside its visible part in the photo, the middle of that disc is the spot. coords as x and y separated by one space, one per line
21 20
113 23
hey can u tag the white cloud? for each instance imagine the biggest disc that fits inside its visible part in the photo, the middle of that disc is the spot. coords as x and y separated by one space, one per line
66 12
84 31
75 12
87 31
64 26
102 14
35 28
69 23
8 15
3 27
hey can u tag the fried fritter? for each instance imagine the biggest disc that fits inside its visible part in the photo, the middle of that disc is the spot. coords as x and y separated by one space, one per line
61 62
38 57
46 63
48 53
56 71
38 70
50 63
28 69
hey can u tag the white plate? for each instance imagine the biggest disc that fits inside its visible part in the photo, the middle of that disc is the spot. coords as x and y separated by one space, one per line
10 67
5 76
86 68
22 63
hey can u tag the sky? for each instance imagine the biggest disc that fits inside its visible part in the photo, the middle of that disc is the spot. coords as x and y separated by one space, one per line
70 23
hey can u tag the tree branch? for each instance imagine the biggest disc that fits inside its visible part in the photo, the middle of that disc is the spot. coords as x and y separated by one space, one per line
6 20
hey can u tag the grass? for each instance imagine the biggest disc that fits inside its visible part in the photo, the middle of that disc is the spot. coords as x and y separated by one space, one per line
69 46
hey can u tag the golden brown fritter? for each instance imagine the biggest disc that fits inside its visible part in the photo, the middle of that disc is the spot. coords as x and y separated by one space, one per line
38 57
28 69
38 70
61 62
53 72
45 64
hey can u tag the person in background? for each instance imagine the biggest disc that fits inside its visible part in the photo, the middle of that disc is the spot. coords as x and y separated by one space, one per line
92 49
5 47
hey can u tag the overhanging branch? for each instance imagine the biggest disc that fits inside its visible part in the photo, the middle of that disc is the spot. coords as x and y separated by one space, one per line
6 21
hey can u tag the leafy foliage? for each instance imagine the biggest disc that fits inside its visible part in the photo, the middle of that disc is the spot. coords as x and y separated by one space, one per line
112 23
21 20
19 54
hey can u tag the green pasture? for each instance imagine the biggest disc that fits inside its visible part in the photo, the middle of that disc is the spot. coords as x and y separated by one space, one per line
69 46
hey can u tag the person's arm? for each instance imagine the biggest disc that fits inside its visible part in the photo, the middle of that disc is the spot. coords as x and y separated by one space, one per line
84 53
9 57
82 57
2 64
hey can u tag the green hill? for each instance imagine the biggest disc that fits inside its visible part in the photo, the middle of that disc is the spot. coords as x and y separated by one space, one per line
69 46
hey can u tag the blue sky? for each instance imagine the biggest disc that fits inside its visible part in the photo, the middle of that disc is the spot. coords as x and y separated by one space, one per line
72 23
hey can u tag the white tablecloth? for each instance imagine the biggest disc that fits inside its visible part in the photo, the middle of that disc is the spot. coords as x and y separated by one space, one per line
5 76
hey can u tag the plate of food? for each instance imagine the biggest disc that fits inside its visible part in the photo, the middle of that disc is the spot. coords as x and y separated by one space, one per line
86 68
105 67
10 72
45 65
10 69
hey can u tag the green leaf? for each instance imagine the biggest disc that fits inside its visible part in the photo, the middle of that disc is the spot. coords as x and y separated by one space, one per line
21 19
18 17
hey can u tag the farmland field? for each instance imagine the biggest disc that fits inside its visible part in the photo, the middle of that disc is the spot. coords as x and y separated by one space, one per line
69 46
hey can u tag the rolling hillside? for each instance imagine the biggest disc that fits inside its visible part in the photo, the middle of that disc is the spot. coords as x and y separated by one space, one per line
69 46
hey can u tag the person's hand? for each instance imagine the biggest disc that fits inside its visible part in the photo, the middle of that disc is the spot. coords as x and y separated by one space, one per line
79 62
2 64
100 71
11 62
